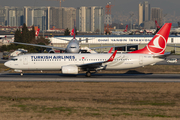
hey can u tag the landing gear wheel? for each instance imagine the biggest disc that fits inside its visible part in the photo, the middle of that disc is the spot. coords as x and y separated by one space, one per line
21 74
88 74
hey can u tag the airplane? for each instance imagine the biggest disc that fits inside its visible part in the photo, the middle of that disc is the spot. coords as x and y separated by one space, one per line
120 32
5 39
150 31
157 25
72 47
72 63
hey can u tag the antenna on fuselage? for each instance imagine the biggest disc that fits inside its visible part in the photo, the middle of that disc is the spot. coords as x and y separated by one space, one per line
74 30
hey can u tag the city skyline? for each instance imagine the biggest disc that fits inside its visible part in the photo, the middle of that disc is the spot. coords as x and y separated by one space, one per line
168 6
120 11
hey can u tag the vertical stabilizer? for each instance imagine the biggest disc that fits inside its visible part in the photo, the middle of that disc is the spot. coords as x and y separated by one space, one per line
126 28
158 43
37 32
157 25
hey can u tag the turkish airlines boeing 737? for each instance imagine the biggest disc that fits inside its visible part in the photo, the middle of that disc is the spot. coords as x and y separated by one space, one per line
72 63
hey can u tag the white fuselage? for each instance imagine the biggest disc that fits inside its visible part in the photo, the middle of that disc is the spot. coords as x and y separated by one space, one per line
56 61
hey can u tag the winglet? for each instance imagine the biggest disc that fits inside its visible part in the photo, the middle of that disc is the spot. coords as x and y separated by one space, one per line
112 57
110 50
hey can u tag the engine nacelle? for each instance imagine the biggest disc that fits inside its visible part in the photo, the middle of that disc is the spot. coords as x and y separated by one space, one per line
51 51
69 69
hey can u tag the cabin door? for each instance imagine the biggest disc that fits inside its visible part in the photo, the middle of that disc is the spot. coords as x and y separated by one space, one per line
25 60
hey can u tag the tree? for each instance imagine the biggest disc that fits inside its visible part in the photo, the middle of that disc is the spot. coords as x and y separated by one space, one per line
97 30
27 36
18 36
32 33
67 32
3 48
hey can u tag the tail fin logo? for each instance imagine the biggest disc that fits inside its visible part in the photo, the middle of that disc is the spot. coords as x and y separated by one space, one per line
157 45
37 32
72 32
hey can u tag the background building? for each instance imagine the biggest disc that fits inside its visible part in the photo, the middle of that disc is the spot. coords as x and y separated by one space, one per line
144 13
90 19
56 20
15 16
140 14
156 14
40 16
69 15
28 15
3 16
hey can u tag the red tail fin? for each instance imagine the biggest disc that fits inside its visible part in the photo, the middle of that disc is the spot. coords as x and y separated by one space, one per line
110 50
72 32
158 43
112 57
37 32
157 25
126 28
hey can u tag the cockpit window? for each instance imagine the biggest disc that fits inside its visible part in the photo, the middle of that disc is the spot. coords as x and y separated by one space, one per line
73 47
14 59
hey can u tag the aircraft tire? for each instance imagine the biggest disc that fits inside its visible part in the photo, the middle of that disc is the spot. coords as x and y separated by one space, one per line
21 74
88 74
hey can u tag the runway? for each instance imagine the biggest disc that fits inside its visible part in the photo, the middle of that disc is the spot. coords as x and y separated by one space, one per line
94 78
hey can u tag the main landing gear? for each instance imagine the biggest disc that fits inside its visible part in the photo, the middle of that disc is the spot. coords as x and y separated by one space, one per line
21 73
88 74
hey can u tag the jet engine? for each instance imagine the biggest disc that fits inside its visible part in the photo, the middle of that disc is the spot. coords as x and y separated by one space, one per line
69 69
51 51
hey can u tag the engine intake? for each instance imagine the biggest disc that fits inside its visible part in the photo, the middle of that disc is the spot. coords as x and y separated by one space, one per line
51 51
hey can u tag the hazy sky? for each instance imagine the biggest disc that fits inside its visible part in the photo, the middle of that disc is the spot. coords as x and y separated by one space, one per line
125 6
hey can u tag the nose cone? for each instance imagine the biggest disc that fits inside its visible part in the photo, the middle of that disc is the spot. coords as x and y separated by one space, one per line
7 64
72 48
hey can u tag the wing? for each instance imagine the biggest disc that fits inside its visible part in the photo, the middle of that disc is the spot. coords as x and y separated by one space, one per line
97 64
63 39
45 46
